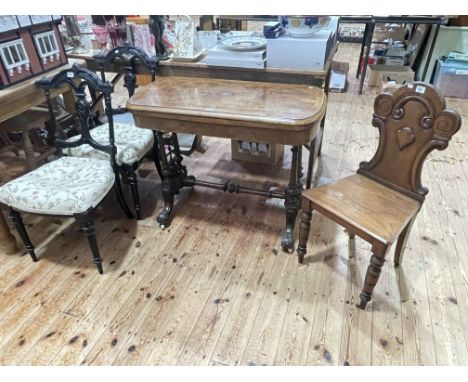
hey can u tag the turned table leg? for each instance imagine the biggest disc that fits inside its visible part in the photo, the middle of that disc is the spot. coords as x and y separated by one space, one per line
292 201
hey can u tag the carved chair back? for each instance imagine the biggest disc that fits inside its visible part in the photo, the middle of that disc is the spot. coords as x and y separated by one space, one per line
412 122
129 56
81 80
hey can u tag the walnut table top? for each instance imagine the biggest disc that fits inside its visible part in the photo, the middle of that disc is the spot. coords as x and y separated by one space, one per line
271 112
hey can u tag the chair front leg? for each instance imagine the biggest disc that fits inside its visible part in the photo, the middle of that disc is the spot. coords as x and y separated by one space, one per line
16 219
87 226
373 273
304 230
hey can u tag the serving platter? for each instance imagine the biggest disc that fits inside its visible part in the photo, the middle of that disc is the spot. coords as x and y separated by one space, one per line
244 43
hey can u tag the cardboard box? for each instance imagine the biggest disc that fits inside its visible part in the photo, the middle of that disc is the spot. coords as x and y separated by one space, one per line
307 53
399 74
397 61
452 78
257 152
338 77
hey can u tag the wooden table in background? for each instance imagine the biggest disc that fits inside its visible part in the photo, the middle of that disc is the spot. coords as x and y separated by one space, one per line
255 111
13 101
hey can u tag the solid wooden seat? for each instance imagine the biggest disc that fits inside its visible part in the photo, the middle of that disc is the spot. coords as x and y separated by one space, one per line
366 206
381 202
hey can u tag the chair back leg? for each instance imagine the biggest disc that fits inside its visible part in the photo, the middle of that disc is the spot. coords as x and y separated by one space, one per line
133 182
120 196
16 219
401 243
87 226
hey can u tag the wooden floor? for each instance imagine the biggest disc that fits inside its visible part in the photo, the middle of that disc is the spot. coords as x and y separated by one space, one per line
215 288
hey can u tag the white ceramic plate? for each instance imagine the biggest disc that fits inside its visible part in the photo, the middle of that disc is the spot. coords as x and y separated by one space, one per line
243 44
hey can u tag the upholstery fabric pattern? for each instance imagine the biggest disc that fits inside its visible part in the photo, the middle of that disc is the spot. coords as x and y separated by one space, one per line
132 143
65 186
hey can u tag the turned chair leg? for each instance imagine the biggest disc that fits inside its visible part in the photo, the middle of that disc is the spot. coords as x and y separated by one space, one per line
401 243
16 219
87 226
304 231
373 273
133 182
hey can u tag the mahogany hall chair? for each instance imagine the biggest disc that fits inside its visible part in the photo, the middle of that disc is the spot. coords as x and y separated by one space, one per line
381 201
133 143
69 186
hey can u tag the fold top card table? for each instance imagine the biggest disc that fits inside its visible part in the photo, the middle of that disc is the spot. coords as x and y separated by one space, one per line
254 111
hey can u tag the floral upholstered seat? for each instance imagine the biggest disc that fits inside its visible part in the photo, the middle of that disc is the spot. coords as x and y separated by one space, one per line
65 186
132 143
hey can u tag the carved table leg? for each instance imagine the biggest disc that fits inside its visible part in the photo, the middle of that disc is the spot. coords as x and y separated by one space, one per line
373 273
292 201
174 174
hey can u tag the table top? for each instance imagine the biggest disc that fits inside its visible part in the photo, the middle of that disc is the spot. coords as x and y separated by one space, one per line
261 102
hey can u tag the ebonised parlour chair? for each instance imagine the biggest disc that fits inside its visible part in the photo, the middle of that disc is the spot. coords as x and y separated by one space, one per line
381 201
133 143
69 186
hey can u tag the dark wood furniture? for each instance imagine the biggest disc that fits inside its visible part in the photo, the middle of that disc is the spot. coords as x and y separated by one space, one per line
68 186
369 32
133 146
381 202
15 100
254 111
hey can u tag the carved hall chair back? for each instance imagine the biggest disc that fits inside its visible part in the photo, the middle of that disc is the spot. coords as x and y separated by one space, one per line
381 202
412 122
69 186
